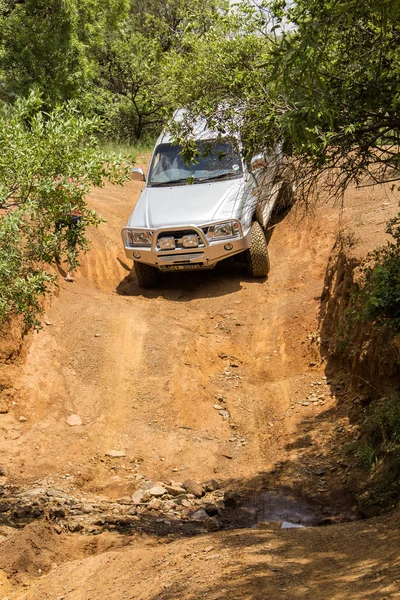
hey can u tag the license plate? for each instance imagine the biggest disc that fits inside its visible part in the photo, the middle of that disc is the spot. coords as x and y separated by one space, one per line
183 267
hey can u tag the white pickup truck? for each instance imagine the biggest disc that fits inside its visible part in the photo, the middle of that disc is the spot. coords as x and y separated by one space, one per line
193 216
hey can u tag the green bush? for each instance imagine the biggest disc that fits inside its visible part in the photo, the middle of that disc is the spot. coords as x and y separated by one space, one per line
383 426
381 292
379 452
48 164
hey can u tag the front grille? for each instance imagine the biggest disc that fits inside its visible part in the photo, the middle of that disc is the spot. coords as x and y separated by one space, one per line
178 235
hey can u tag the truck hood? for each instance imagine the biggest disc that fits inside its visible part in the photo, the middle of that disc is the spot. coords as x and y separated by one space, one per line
195 204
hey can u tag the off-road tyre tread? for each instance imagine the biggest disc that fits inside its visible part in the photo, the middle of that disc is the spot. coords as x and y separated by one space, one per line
146 275
257 258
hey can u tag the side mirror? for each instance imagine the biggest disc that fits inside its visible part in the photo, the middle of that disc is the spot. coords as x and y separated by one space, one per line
137 174
258 162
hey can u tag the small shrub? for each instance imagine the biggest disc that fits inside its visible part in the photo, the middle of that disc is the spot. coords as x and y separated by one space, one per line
383 426
49 163
379 452
381 292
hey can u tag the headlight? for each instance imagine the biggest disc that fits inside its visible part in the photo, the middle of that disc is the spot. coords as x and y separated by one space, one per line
229 229
166 243
139 238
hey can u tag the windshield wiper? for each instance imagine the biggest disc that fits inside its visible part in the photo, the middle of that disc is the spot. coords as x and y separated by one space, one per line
195 180
167 183
221 176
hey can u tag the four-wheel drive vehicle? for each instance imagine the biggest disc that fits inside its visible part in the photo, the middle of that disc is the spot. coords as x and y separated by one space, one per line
193 216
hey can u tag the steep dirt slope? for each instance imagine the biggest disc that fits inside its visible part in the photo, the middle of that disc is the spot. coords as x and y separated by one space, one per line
144 370
213 376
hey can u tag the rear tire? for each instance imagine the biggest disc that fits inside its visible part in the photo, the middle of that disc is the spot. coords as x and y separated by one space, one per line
286 198
147 276
257 258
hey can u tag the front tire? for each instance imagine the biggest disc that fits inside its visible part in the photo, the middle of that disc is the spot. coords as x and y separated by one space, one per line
257 258
147 275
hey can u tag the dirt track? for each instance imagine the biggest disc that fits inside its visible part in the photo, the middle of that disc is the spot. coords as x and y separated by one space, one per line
144 370
146 373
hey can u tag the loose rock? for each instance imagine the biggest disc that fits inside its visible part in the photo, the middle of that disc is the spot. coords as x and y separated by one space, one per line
137 497
155 504
192 487
73 420
199 515
212 524
146 496
157 490
175 490
115 453
211 486
225 414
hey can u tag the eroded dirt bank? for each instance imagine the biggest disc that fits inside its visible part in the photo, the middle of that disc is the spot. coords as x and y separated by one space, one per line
370 354
213 380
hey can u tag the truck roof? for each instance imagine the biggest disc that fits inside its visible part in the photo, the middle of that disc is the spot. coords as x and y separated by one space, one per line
200 131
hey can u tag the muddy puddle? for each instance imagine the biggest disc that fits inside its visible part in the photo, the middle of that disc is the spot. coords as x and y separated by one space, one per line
278 510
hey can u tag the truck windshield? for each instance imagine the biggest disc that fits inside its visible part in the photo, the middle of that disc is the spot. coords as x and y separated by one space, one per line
216 160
